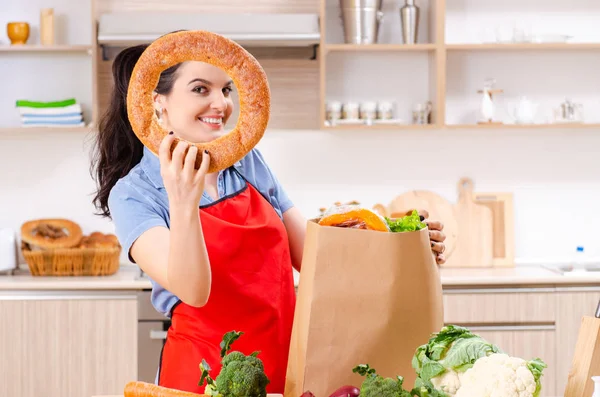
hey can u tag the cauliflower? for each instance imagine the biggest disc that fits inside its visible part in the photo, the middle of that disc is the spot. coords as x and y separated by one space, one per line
458 363
500 375
448 382
440 363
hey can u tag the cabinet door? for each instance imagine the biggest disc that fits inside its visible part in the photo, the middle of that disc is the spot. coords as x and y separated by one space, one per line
572 306
67 346
527 342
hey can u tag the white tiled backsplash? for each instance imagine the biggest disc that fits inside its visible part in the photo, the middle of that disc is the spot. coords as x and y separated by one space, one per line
554 175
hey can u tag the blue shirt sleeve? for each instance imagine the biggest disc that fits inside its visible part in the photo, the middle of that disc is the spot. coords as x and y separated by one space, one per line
257 171
132 214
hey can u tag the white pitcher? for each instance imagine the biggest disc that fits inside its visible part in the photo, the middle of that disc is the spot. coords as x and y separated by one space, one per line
524 111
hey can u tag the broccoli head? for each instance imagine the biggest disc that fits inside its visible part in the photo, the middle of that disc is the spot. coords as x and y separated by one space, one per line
375 385
240 375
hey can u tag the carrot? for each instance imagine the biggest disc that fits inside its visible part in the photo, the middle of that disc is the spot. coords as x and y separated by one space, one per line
143 389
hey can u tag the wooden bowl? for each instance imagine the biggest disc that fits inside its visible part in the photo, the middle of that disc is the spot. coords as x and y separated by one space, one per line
18 32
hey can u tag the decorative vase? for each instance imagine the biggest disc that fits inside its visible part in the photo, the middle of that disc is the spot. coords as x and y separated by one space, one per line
409 15
18 32
47 26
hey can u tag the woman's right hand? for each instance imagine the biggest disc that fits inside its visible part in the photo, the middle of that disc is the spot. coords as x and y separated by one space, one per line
184 184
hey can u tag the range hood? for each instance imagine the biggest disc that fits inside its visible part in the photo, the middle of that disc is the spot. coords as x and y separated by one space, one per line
249 30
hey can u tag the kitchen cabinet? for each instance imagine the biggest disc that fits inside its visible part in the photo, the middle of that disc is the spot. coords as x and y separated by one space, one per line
67 344
527 322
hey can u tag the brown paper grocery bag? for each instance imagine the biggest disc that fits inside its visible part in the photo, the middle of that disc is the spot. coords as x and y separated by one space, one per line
365 297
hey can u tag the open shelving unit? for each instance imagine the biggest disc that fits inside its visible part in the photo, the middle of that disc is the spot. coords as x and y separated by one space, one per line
450 74
37 72
447 66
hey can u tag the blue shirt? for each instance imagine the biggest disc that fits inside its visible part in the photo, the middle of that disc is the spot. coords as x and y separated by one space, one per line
139 202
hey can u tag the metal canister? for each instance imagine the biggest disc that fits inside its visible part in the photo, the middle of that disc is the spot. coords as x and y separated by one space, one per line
361 20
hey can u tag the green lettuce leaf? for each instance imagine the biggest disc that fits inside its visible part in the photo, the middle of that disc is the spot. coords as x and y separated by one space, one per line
409 223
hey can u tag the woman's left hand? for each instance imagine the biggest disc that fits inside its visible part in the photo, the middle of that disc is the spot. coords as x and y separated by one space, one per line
436 236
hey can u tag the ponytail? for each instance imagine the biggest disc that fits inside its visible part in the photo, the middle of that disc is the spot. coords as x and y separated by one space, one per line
117 148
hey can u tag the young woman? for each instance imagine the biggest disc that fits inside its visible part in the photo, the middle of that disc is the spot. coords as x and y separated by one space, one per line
219 248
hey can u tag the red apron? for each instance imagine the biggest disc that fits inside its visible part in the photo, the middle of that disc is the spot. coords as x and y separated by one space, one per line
252 291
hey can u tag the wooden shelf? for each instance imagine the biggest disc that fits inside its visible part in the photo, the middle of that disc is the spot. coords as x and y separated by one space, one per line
45 48
522 46
382 127
526 126
379 47
25 130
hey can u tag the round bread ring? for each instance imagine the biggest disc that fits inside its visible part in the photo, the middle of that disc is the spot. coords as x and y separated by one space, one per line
245 71
73 238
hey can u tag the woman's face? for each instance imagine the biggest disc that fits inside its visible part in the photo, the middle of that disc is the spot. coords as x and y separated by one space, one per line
199 103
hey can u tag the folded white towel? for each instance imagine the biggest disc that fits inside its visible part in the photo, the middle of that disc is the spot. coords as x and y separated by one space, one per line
54 125
52 119
71 109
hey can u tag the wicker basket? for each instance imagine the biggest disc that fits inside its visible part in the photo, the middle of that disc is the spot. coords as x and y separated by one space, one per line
72 261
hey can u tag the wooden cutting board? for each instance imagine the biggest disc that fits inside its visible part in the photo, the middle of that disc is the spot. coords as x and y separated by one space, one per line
475 230
439 209
501 205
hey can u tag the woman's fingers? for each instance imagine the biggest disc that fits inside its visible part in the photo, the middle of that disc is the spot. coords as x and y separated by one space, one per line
164 150
203 170
440 259
436 236
178 153
190 162
438 248
435 225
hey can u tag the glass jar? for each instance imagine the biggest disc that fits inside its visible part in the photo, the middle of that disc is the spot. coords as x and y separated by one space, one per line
334 110
350 111
368 111
385 110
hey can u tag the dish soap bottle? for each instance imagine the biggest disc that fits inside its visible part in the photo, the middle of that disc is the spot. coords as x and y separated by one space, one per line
579 261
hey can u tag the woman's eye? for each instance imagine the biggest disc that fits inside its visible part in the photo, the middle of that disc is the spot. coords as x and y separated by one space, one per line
227 90
199 90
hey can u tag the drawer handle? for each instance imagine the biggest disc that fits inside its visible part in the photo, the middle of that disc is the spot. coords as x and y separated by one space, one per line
548 327
156 334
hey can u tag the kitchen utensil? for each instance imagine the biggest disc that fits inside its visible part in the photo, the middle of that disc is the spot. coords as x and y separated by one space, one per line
410 15
475 230
439 209
18 32
501 205
586 360
524 111
361 20
8 250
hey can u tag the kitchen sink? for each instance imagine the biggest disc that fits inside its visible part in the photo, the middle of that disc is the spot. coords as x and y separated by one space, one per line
565 269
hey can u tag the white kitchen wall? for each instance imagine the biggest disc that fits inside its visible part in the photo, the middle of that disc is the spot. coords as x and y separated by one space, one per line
554 175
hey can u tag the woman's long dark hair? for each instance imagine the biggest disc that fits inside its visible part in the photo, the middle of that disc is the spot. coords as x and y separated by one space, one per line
117 149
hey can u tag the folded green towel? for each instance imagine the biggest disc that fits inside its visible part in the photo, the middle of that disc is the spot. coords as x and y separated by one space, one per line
56 104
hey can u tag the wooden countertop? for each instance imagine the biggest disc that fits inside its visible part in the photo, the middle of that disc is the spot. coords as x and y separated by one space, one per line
127 278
